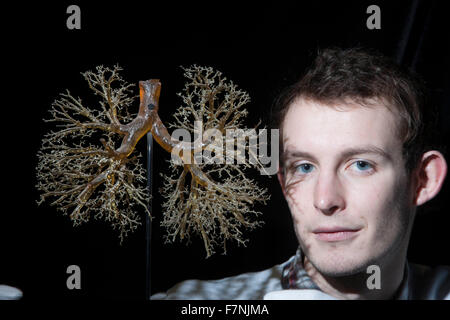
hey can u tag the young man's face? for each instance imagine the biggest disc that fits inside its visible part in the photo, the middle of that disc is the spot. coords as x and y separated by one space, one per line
346 185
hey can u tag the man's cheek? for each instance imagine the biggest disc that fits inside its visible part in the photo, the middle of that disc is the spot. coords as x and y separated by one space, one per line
294 198
377 228
299 217
379 212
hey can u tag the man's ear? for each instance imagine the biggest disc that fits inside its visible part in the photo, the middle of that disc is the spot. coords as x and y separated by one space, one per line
431 176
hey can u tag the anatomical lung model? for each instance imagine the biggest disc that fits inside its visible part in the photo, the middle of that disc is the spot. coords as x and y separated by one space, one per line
88 166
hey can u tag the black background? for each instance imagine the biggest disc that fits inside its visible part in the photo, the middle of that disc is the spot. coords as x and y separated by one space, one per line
261 47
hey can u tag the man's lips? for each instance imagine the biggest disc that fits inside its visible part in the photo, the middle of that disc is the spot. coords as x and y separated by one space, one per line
334 234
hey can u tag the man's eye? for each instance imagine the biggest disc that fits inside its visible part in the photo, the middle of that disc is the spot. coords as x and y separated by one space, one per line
362 165
305 168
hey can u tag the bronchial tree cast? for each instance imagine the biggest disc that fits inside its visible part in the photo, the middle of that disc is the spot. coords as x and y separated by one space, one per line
89 167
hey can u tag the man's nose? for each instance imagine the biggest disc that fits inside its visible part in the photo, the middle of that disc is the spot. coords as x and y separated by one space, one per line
329 194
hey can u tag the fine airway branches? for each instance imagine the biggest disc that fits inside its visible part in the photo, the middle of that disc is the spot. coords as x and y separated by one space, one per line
78 167
89 166
213 196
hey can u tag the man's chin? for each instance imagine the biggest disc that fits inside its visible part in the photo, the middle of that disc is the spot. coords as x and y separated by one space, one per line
339 268
337 272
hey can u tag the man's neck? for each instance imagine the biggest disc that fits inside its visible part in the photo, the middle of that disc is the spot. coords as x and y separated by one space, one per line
355 287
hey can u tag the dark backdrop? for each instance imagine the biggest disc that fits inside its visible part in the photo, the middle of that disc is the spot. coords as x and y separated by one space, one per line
261 48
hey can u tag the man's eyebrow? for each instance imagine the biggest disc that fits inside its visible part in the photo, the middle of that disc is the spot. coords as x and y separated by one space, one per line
347 153
298 154
365 150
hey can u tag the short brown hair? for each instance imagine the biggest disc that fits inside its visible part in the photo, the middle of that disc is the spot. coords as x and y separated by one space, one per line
362 76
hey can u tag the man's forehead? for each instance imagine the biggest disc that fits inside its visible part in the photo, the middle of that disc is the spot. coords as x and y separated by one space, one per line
314 120
343 104
312 128
334 109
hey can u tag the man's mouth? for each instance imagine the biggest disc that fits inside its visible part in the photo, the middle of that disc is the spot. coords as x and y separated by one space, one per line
334 234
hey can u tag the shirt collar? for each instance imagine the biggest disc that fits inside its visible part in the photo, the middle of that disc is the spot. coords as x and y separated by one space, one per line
403 290
294 276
